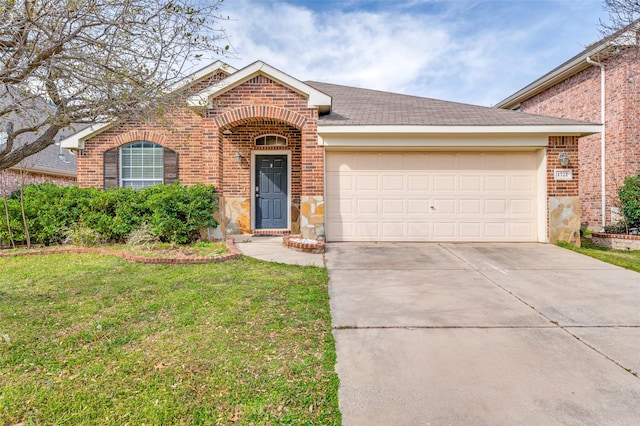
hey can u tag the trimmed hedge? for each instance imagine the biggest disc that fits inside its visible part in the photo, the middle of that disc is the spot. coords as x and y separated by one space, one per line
174 213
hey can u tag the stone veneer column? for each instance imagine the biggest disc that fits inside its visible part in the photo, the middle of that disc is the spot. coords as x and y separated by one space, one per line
563 202
312 194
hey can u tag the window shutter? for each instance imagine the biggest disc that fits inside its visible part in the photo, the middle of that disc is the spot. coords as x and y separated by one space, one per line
170 166
110 160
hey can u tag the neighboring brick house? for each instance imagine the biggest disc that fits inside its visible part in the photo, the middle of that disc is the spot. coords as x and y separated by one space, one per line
348 164
605 73
53 165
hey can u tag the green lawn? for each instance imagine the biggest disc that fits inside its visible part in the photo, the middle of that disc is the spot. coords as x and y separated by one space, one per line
629 259
91 339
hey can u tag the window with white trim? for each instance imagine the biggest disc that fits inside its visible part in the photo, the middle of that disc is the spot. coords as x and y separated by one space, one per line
271 140
141 165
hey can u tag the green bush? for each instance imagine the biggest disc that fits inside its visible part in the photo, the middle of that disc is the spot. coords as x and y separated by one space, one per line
174 213
629 194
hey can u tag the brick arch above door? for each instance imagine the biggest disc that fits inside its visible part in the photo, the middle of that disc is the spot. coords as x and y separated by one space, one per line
247 114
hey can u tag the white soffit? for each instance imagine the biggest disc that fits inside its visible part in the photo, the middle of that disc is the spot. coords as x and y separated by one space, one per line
76 141
315 98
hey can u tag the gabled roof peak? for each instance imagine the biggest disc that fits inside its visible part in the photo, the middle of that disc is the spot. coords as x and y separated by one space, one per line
315 98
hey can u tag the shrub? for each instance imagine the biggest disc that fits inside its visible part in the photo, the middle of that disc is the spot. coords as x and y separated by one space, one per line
178 212
629 194
82 235
174 213
142 236
619 227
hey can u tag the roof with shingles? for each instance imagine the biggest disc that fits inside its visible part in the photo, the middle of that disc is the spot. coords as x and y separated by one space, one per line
353 106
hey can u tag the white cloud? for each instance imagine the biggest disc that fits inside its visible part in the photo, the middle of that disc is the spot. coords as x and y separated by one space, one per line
467 51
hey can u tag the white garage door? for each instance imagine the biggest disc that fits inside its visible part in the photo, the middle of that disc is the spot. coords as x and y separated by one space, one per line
431 196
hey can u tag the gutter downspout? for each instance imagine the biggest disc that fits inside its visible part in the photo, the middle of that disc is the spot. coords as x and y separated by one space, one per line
602 139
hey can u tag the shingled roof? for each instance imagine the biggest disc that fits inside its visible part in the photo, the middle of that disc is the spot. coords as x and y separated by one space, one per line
353 106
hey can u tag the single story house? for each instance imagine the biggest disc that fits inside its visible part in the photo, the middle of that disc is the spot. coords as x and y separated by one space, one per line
349 164
599 84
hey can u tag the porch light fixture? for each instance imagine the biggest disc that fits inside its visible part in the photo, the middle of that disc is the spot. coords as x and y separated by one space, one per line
563 157
238 157
227 132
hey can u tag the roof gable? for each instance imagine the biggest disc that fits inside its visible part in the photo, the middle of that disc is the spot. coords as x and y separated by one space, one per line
315 98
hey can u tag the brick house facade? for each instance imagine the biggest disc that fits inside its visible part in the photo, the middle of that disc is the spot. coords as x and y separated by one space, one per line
258 132
574 90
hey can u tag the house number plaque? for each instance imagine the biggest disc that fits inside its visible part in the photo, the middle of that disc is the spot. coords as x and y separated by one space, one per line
563 174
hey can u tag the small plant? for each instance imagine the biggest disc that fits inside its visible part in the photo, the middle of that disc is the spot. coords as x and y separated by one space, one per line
143 237
620 227
82 235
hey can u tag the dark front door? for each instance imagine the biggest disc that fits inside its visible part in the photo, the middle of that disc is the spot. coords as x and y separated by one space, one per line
272 189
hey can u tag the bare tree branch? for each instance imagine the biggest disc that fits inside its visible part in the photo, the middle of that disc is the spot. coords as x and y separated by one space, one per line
69 61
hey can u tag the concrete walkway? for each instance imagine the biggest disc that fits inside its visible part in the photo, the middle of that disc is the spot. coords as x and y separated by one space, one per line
271 249
431 334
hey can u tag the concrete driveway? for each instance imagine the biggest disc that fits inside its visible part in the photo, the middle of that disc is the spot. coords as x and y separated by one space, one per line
431 334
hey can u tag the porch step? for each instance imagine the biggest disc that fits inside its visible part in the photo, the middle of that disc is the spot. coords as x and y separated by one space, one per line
271 232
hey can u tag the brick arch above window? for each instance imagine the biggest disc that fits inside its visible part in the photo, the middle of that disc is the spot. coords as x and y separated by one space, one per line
141 136
249 114
111 164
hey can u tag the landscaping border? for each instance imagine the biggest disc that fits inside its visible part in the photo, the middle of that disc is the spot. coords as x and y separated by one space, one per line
616 241
233 253
317 247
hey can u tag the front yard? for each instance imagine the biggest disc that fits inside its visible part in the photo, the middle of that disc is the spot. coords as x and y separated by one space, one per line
93 339
629 259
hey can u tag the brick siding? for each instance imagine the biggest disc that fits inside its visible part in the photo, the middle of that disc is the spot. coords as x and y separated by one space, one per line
578 97
257 107
10 180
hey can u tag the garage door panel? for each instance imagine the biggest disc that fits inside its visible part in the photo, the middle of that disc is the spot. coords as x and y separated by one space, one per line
522 183
367 183
444 183
419 230
418 183
444 230
470 183
522 207
495 230
418 206
394 230
367 206
470 207
365 230
470 230
393 183
492 207
342 182
442 206
495 183
521 229
431 196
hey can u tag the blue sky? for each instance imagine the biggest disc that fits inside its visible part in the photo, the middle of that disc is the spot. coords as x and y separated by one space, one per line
472 51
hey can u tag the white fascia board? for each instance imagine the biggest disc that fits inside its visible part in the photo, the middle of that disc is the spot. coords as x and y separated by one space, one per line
550 130
552 78
200 74
76 141
399 141
315 98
